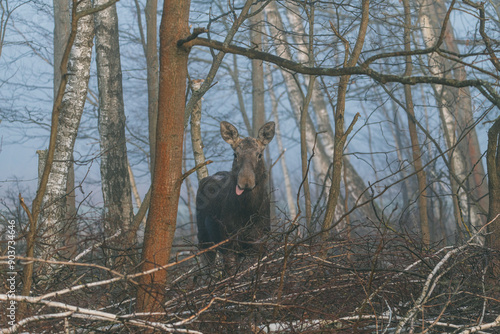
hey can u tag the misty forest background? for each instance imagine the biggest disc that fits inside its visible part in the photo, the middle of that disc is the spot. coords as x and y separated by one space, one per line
384 171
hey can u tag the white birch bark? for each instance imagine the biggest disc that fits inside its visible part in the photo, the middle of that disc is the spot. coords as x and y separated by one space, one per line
116 188
284 168
318 97
196 139
450 101
354 183
295 95
235 75
321 159
51 220
62 26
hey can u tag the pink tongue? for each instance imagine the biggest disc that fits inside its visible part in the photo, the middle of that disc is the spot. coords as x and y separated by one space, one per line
239 191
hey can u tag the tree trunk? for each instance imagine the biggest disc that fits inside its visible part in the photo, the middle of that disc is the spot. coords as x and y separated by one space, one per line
258 106
115 179
464 156
392 112
412 127
235 75
304 114
295 94
66 113
340 133
216 62
258 90
297 99
355 184
196 139
62 26
161 221
152 73
284 168
51 219
493 163
133 185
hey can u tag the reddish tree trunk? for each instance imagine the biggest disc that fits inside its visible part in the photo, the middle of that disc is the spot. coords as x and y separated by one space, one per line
160 225
493 163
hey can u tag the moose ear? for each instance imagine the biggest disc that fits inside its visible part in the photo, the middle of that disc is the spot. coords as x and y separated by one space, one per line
266 133
229 133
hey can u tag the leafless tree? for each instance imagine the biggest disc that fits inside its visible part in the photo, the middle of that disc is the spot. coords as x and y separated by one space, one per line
382 107
116 188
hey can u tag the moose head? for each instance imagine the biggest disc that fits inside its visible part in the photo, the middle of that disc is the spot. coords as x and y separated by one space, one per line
248 164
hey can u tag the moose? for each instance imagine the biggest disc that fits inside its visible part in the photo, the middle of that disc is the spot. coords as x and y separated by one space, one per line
235 204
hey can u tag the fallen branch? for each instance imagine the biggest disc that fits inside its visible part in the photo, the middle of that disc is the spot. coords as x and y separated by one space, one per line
91 315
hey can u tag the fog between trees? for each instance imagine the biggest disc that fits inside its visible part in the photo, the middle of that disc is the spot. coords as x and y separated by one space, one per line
385 165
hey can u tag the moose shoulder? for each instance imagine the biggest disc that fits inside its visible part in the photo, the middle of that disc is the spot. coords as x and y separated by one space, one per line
236 203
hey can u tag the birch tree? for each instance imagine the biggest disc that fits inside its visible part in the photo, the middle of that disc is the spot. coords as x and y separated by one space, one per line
48 205
116 189
196 139
354 184
62 26
297 99
279 142
455 110
341 133
354 65
52 216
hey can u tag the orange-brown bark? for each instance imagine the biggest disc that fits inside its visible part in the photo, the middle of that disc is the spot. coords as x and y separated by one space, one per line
161 221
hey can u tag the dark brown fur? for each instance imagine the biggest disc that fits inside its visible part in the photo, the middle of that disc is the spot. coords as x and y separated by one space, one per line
220 212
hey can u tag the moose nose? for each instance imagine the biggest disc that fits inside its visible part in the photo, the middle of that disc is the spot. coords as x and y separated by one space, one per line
244 184
246 180
240 190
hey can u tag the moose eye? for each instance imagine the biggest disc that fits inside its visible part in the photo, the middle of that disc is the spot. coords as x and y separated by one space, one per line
259 155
